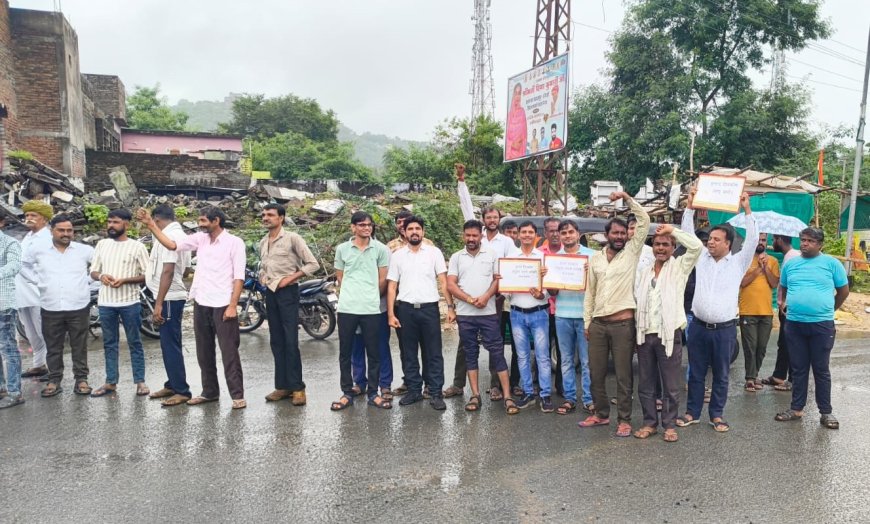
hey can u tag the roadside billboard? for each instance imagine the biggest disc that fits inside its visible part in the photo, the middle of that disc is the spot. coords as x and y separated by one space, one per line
537 117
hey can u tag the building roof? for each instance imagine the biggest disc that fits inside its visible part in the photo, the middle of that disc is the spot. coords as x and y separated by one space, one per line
192 134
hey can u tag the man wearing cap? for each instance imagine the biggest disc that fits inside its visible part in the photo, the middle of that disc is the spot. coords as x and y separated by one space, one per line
36 217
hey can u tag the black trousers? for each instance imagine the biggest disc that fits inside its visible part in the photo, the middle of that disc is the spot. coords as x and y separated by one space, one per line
421 329
282 311
370 326
657 371
782 369
56 325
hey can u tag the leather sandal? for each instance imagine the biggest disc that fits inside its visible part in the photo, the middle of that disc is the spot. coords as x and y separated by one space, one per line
473 403
645 432
82 388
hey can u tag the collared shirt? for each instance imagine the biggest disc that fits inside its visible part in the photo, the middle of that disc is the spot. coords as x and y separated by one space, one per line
10 265
417 273
63 278
360 293
283 256
218 264
526 300
545 249
610 284
474 276
810 286
569 304
26 293
501 246
399 242
120 259
756 298
718 283
160 256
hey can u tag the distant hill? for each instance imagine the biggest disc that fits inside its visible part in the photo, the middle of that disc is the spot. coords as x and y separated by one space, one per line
205 115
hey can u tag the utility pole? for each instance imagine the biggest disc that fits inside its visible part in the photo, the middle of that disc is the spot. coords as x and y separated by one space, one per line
859 156
482 86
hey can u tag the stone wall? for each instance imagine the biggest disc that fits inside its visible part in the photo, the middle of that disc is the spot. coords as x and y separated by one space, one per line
158 171
8 99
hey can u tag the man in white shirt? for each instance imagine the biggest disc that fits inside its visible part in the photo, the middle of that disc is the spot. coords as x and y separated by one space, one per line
530 324
714 328
165 281
415 274
120 264
36 217
60 272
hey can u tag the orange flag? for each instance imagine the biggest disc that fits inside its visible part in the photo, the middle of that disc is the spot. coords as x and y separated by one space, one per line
822 167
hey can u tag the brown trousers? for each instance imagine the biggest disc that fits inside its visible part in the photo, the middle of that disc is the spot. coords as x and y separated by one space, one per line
208 323
617 338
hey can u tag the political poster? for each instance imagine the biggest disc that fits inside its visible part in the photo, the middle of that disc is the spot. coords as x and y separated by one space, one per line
537 114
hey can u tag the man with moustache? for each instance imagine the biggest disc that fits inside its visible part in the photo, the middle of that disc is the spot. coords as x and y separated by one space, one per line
216 288
608 315
472 281
60 273
570 327
713 331
120 265
501 246
36 217
756 311
659 323
284 259
781 377
416 272
165 281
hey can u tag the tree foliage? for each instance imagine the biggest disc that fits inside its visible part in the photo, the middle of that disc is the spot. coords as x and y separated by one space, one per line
293 156
263 117
146 109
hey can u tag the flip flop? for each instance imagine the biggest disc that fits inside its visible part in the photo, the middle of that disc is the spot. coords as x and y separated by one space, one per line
102 391
593 420
82 388
787 416
199 399
51 390
685 422
720 425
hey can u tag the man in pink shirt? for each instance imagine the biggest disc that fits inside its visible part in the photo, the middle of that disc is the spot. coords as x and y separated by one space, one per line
217 285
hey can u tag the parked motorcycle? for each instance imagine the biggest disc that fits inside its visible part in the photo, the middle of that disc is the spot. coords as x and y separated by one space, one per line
317 300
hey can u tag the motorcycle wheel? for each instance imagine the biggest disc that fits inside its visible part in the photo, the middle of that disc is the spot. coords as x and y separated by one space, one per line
251 313
317 319
147 327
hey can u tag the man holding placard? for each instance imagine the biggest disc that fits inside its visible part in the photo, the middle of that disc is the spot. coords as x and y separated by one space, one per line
529 316
714 329
472 281
608 314
569 322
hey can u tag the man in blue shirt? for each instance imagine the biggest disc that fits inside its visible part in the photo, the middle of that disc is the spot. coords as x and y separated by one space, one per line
815 285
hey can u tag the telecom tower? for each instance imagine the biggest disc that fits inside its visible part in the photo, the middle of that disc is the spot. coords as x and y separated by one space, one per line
482 89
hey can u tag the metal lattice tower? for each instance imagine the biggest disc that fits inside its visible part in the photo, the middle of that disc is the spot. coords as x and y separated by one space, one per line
482 88
545 176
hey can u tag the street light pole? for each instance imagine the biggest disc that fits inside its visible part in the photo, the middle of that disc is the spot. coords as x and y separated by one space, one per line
859 156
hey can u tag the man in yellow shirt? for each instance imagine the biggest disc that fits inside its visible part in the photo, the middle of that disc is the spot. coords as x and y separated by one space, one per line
756 310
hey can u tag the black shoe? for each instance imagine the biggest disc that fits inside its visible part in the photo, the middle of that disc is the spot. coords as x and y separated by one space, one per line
525 401
437 403
410 398
547 405
35 372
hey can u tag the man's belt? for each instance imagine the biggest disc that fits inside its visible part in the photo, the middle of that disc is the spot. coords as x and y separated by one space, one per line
418 305
530 309
717 325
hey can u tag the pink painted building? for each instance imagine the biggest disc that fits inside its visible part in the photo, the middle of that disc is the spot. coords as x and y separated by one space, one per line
209 146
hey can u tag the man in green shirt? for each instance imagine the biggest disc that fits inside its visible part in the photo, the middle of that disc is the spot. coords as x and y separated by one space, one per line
361 266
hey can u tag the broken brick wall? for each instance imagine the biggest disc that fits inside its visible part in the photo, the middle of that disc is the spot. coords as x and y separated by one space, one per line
9 124
157 171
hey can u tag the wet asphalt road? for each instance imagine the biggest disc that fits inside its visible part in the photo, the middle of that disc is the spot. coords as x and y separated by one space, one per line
73 459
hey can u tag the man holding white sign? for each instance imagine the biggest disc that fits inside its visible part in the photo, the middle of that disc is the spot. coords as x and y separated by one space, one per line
608 314
714 328
570 327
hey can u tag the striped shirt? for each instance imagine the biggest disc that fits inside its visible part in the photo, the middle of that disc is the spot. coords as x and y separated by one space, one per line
120 259
10 264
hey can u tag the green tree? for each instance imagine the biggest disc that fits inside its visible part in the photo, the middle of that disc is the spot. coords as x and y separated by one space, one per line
293 156
721 40
415 164
263 117
146 109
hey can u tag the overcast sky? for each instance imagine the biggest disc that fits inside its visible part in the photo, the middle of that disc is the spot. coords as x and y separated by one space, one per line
393 67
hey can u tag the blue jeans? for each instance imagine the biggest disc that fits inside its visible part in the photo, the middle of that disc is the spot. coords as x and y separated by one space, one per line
358 357
170 346
710 349
131 317
571 335
528 328
9 351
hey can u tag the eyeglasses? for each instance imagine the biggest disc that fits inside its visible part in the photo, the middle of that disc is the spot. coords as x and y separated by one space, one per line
365 224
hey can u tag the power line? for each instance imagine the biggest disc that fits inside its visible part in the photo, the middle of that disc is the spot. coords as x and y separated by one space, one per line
823 83
825 70
593 27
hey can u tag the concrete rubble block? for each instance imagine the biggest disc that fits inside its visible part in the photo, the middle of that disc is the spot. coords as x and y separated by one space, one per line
496 198
330 207
556 205
62 196
108 192
285 194
123 184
